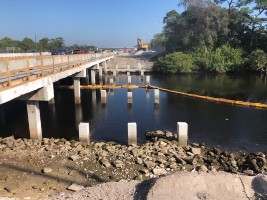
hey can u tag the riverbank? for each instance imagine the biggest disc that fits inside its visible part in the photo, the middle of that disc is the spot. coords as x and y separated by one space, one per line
37 170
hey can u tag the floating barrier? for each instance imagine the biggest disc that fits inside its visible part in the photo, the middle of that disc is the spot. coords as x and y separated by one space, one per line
221 100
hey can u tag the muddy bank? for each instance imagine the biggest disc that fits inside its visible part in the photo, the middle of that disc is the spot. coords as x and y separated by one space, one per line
39 169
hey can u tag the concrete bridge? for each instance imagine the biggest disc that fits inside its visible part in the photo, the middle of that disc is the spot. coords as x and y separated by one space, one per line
31 79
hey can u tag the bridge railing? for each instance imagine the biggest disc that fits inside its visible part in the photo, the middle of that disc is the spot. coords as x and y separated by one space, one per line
13 70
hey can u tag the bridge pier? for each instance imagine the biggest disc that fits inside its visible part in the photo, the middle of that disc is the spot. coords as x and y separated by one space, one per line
105 66
77 85
34 119
129 79
77 90
92 77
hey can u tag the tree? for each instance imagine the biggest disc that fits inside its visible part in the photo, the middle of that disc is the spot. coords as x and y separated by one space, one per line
44 44
57 43
158 41
199 25
27 44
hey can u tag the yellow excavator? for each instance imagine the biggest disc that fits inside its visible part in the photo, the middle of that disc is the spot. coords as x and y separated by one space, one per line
141 45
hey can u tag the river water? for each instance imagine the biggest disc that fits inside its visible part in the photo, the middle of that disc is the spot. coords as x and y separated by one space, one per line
216 124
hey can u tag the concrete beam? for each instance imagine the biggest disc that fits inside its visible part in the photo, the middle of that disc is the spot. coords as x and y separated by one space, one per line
43 94
96 66
34 120
81 74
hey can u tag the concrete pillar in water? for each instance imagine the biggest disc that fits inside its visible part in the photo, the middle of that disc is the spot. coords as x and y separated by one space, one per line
129 78
156 96
77 90
130 97
114 73
147 79
100 76
182 133
103 96
84 133
111 81
132 133
105 67
142 72
128 73
34 119
92 77
100 72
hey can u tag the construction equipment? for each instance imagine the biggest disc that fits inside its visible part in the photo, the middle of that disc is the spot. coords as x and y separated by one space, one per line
140 45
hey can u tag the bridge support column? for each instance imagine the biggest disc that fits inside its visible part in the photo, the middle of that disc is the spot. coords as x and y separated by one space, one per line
111 81
77 85
147 79
132 133
84 133
103 96
77 90
100 72
182 132
142 73
114 73
106 67
92 77
128 73
129 79
34 119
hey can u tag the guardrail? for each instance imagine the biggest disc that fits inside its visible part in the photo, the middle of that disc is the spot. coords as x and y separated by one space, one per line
28 68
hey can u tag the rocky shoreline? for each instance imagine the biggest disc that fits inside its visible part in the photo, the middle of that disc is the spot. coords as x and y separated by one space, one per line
72 165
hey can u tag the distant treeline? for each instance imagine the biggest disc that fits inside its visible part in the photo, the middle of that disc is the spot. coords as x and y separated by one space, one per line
44 44
214 36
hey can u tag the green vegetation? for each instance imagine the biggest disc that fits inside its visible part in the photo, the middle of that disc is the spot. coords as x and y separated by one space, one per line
44 44
220 35
176 62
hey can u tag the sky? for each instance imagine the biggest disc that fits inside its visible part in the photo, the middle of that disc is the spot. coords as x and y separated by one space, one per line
103 23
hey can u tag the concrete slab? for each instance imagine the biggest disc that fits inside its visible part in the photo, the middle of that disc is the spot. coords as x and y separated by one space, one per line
188 185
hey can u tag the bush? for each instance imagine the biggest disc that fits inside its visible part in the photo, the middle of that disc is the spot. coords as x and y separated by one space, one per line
258 60
222 59
226 58
176 62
